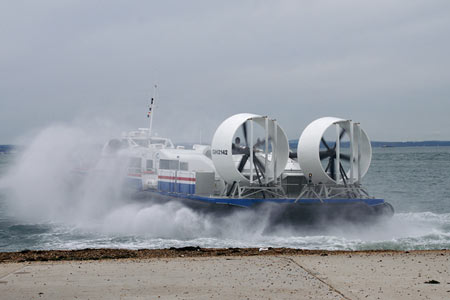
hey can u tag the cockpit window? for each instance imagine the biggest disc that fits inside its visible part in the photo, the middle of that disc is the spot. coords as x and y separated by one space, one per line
158 141
141 142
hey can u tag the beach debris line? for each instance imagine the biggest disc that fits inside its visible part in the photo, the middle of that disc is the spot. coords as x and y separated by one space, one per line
102 254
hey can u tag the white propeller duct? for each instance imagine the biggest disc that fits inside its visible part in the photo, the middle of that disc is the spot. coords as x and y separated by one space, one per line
310 154
245 162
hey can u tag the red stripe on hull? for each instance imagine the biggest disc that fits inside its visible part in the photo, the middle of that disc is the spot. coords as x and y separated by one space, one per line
176 178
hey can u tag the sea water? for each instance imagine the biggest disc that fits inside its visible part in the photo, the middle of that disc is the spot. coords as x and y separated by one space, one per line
37 213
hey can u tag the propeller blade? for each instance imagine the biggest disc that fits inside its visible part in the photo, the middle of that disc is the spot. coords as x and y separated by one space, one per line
328 166
243 162
332 169
257 172
244 129
325 154
342 171
342 133
344 157
325 143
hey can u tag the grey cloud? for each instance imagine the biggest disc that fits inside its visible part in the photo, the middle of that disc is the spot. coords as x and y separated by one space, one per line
383 63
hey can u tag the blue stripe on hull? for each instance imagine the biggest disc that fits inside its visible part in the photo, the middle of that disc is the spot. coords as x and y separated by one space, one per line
187 191
247 202
171 187
185 188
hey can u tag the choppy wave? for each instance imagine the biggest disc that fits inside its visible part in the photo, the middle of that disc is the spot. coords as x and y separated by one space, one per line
405 231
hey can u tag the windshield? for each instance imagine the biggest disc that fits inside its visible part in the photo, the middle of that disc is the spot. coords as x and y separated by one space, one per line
141 142
158 141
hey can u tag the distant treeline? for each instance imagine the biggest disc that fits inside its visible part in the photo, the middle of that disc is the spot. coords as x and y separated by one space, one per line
293 145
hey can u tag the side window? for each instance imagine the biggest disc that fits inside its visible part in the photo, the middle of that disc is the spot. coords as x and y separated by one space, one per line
149 165
174 164
164 164
184 166
168 164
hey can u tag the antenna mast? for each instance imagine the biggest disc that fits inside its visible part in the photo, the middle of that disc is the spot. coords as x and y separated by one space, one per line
151 110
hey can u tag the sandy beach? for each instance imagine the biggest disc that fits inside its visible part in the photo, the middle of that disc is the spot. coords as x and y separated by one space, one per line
195 273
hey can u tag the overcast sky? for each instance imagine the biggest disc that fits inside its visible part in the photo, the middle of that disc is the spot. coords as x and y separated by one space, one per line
383 63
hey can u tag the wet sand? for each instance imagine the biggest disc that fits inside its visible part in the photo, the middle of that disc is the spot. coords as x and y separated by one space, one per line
195 273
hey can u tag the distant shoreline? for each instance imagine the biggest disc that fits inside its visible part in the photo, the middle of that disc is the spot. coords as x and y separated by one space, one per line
411 144
380 144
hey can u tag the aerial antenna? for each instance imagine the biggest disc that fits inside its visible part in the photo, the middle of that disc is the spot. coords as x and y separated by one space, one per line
151 110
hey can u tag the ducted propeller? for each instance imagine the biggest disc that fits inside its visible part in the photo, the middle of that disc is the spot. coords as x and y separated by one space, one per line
249 149
344 161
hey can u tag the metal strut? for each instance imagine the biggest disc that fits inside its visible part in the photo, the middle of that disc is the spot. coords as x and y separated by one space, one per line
332 191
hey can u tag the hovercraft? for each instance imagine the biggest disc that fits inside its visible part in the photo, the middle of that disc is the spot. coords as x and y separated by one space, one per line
249 165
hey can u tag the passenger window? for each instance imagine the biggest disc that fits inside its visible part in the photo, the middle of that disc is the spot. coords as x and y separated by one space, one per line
173 164
168 164
184 166
164 164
